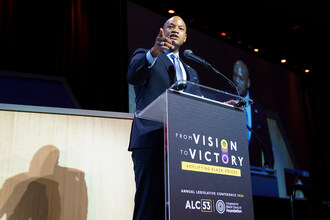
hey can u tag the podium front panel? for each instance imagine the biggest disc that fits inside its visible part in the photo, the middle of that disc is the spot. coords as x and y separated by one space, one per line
207 163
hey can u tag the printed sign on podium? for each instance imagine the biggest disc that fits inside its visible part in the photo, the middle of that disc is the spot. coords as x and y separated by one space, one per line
206 153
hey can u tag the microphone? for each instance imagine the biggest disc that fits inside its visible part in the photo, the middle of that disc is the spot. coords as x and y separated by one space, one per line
190 55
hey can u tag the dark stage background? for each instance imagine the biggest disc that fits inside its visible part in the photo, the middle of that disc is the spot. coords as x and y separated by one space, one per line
86 43
83 41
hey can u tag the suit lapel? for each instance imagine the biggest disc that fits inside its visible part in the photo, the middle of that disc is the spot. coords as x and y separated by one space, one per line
187 69
191 74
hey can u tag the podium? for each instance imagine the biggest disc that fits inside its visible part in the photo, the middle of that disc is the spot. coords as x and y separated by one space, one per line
207 169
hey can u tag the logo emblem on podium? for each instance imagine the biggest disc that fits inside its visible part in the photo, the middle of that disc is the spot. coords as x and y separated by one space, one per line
220 206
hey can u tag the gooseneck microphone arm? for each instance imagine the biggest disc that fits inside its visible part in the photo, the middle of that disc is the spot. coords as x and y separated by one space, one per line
190 55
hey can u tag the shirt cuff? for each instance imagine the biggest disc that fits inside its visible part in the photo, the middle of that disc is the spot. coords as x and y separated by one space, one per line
150 59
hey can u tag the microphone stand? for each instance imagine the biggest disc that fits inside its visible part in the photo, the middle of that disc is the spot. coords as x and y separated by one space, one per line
241 102
189 54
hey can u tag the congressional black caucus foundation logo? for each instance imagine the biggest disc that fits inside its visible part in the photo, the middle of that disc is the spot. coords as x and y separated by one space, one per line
220 206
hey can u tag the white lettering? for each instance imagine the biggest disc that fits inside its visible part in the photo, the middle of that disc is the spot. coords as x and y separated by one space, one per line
240 161
233 146
233 160
192 205
192 154
207 158
210 141
196 138
216 157
198 205
188 205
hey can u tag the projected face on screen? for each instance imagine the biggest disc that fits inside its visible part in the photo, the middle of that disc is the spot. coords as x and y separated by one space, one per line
241 77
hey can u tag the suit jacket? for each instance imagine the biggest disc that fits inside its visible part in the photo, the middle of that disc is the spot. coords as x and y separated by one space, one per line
260 138
149 83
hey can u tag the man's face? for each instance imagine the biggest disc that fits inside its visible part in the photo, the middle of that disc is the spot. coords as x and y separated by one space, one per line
241 80
175 29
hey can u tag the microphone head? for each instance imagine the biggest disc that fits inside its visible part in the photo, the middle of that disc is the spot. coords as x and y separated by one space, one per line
187 52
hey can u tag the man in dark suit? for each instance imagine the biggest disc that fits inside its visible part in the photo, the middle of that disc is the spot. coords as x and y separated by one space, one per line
257 128
152 72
